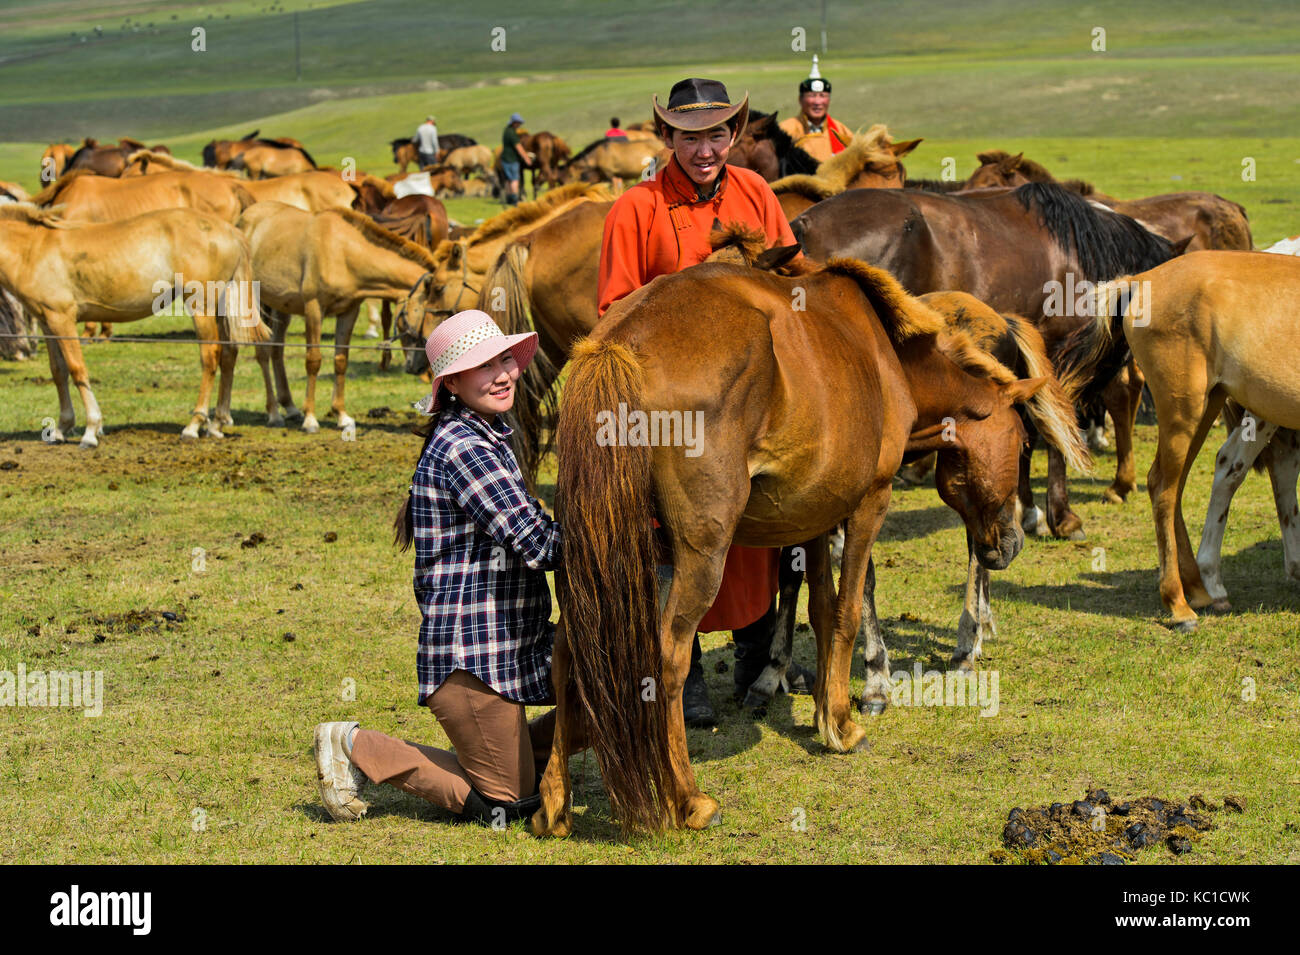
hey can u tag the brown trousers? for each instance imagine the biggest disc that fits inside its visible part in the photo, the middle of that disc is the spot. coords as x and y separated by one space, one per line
498 751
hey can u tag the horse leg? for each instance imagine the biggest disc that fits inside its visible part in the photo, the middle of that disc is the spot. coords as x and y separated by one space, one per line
791 579
59 373
226 356
69 363
205 328
832 708
312 313
1063 522
976 621
342 338
696 576
875 655
915 473
386 317
1032 519
1231 465
372 327
1122 397
1193 587
1283 471
555 816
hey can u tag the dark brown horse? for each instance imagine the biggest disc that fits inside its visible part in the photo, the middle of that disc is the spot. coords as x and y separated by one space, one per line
1035 251
108 160
768 149
765 452
551 152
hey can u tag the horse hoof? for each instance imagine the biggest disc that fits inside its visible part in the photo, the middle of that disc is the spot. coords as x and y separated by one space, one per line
292 412
963 664
1078 535
274 421
346 421
310 426
861 746
559 828
756 703
1185 626
190 434
1222 605
1110 497
872 706
715 819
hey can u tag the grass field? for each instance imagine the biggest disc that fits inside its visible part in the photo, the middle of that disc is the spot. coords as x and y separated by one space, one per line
214 712
203 750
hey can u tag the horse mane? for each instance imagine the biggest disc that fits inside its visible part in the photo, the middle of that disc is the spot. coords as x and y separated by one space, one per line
169 161
126 142
28 212
280 144
747 240
935 185
51 192
377 235
1050 408
383 185
834 175
1105 244
506 222
903 316
1033 171
401 141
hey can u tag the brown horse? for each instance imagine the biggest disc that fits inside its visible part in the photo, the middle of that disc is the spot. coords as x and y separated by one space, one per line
63 273
611 160
108 160
86 197
1204 328
268 157
1033 251
870 161
550 152
317 264
220 153
1202 219
756 385
768 149
54 160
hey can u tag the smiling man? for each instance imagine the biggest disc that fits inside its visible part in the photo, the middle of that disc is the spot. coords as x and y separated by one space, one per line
661 226
813 130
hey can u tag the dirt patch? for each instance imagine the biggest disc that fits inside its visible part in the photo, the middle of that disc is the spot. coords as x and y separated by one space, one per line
131 621
1096 830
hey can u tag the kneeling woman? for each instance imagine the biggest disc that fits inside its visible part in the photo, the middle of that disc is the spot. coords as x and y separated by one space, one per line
482 545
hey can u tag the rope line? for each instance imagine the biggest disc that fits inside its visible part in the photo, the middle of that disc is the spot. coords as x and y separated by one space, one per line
136 340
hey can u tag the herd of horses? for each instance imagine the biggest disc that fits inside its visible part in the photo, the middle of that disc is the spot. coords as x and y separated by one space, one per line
913 321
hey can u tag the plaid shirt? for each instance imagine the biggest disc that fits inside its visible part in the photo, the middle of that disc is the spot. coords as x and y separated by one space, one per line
481 546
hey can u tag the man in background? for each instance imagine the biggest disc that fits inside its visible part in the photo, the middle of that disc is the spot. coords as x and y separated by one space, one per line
813 130
513 158
426 142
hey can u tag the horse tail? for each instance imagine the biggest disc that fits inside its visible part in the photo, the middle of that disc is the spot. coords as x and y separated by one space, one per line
607 587
238 301
1095 352
1050 408
506 286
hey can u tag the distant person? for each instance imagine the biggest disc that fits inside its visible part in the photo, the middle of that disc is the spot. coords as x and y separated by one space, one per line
813 130
614 132
426 142
513 158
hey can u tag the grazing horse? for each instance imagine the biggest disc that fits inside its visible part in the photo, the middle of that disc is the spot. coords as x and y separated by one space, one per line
119 272
778 459
1204 220
550 152
611 160
1207 327
220 153
269 157
1032 251
870 161
768 149
317 264
86 197
108 160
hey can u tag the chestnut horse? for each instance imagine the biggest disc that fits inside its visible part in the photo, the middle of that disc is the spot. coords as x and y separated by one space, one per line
870 161
1032 251
1204 328
768 149
121 271
779 459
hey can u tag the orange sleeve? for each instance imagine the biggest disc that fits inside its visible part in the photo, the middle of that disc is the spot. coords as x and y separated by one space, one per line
622 252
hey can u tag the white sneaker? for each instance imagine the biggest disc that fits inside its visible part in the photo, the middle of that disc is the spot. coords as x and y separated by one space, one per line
340 779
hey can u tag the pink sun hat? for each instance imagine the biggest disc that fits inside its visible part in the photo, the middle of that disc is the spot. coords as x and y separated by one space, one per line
468 339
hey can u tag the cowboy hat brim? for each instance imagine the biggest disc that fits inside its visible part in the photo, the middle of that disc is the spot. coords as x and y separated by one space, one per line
700 116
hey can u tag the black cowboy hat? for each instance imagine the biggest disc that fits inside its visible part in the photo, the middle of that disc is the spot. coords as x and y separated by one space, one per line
695 105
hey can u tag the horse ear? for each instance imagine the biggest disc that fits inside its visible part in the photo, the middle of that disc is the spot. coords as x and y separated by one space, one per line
902 149
1181 245
1012 163
1024 389
776 257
